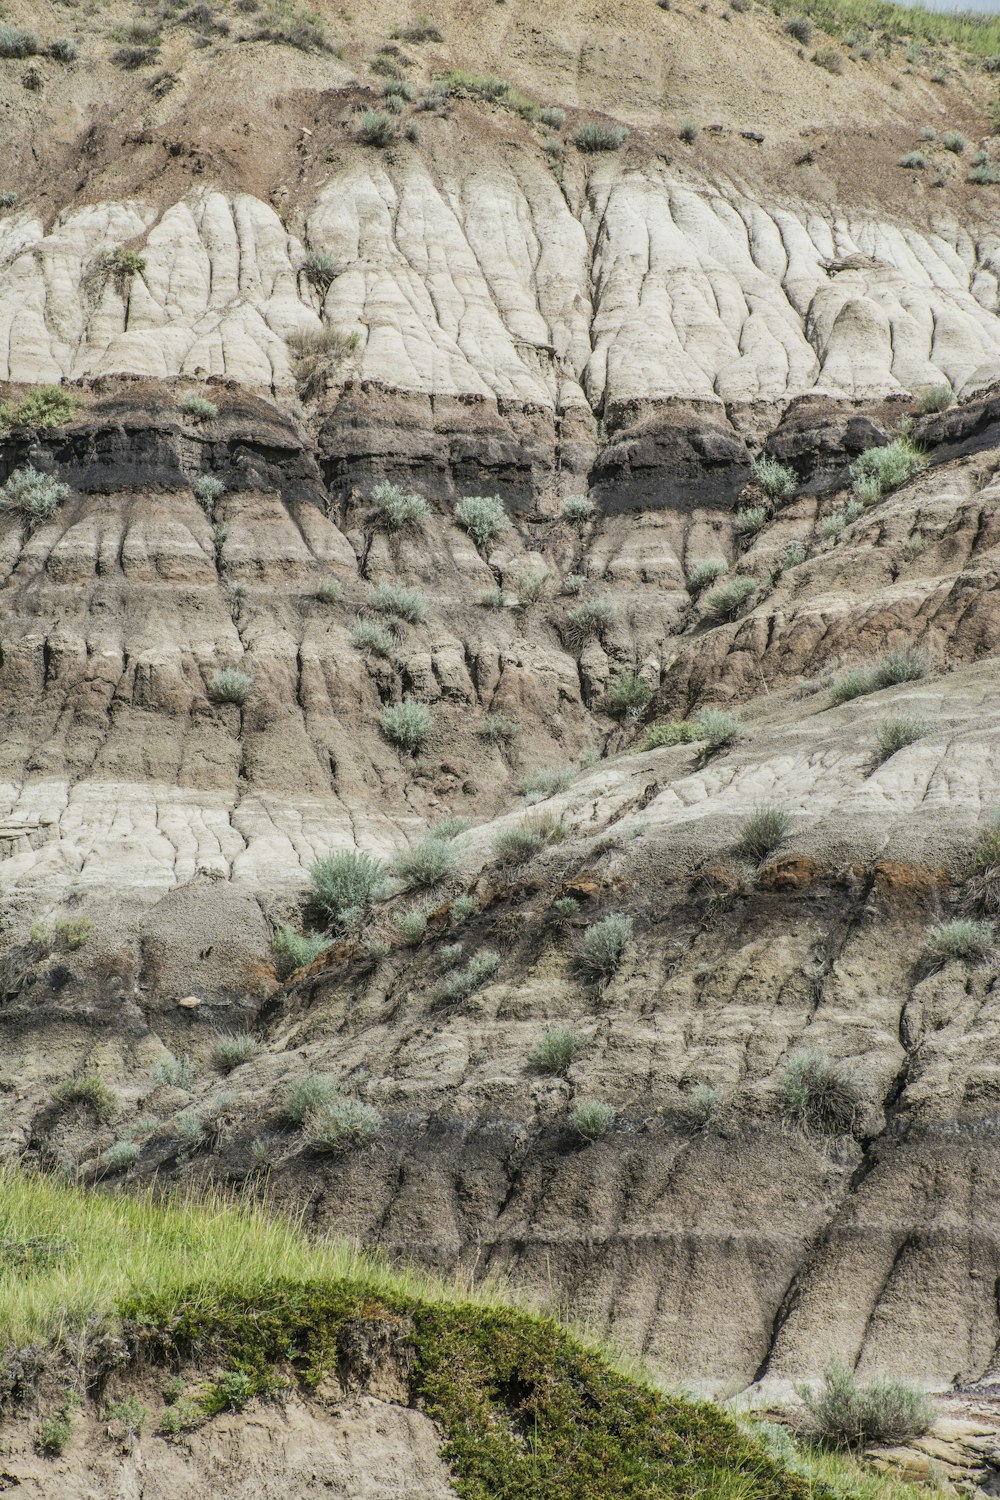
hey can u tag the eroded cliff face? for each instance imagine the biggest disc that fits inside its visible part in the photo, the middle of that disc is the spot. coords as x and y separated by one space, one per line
637 327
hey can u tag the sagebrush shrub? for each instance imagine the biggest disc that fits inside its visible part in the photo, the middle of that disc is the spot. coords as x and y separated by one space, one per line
450 828
749 520
395 510
407 725
347 883
498 728
293 950
483 517
229 1052
907 665
121 1156
689 132
916 161
398 602
557 1049
64 49
411 925
704 573
793 554
15 41
588 620
461 983
844 1414
33 495
954 140
309 1094
552 116
604 944
329 591
801 28
342 1125
173 1072
198 406
371 635
377 128
934 398
830 59
320 269
816 1091
718 729
577 508
700 1106
427 863
592 1120
530 584
764 831
628 694
595 135
725 602
230 686
675 732
207 490
890 465
536 786
515 846
189 1129
896 734
963 940
46 406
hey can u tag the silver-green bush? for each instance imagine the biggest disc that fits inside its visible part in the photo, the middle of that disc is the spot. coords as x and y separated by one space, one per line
309 1094
483 517
816 1091
407 725
764 831
704 573
342 1125
33 495
592 1120
371 635
775 479
395 510
230 686
347 883
604 944
557 1049
198 406
398 602
844 1414
293 950
962 940
725 602
595 135
427 863
229 1052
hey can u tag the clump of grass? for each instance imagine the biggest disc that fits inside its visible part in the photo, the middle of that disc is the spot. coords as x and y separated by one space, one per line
538 785
674 732
986 174
189 1130
173 1073
750 520
934 398
17 41
818 1092
329 591
801 28
129 1416
689 132
833 524
320 269
377 128
983 873
73 932
700 1107
398 602
628 694
343 1125
47 406
494 599
603 946
962 941
793 555
293 950
845 1414
411 925
530 585
450 828
896 734
573 584
33 495
230 1052
483 517
120 1157
395 510
230 686
194 405
64 49
592 1120
565 907
764 831
91 1091
463 907
891 465
517 845
704 573
915 161
888 671
556 1050
577 508
373 637
315 350
427 863
498 729
552 116
718 729
407 725
954 140
725 602
595 135
303 1098
830 59
588 620
461 983
346 884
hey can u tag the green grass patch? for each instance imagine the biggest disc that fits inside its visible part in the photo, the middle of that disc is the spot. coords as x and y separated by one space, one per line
978 35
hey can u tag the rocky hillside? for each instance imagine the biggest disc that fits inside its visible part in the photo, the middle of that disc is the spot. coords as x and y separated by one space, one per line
685 1015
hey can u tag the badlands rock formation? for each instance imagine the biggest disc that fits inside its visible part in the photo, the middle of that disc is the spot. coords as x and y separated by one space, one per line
510 316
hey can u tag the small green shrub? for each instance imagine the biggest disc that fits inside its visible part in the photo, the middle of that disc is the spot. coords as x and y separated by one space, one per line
91 1091
628 694
987 174
515 846
793 555
47 406
131 58
675 732
461 983
395 510
556 1050
704 573
320 269
398 88
896 734
700 1107
230 1052
207 490
194 405
577 508
407 725
427 863
592 1120
801 28
750 520
8 200
53 1432
954 140
934 398
830 59
891 465
308 1095
121 1157
189 1130
718 729
293 951
33 495
494 599
833 524
983 873
15 41
173 1073
820 1093
398 602
538 785
347 883
588 620
552 116
372 636
573 584
377 128
450 828
64 49
329 591
127 1417
594 135
844 1414
962 941
342 1125
530 585
287 26
498 729
725 602
463 907
483 517
688 132
888 671
565 907
411 925
73 932
604 944
764 831
230 686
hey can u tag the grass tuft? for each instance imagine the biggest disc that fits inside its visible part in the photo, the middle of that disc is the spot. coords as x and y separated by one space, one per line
556 1050
817 1092
845 1414
764 831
